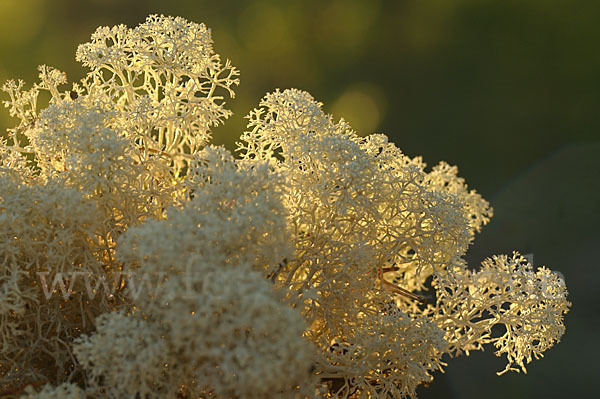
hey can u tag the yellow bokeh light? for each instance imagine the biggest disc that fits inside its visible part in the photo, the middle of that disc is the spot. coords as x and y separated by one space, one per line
363 106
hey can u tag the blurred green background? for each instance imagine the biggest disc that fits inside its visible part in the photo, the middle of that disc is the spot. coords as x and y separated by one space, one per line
509 90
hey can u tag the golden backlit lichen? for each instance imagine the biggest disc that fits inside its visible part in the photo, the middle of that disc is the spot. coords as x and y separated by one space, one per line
138 260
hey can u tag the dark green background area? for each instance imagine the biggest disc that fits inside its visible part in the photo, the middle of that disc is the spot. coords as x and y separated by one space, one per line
508 90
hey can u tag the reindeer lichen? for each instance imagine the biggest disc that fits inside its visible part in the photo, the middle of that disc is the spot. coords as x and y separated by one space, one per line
139 261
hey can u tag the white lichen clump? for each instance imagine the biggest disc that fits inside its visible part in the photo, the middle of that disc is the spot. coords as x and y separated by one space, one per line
139 261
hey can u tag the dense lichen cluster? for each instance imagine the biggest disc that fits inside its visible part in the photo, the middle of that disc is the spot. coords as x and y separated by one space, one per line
139 261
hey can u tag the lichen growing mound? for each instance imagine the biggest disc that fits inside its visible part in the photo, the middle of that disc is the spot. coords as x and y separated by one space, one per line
139 261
